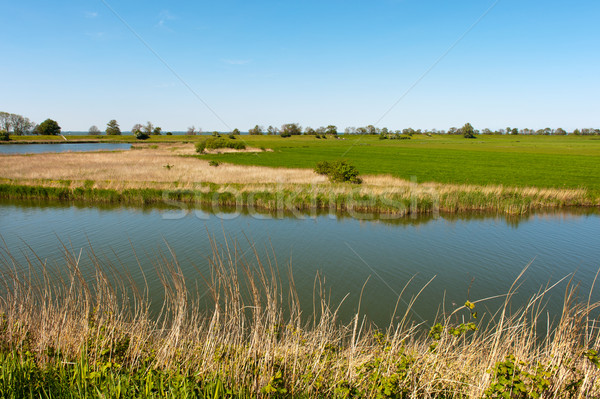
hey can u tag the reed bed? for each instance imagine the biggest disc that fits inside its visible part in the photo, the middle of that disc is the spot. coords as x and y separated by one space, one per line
79 332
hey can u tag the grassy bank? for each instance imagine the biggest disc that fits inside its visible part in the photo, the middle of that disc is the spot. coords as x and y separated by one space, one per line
303 198
81 332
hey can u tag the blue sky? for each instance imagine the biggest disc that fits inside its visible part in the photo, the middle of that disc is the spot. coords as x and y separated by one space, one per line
529 64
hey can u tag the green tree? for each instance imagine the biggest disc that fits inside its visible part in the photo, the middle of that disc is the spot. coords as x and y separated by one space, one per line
157 131
290 129
467 131
256 131
20 124
514 131
4 136
272 130
331 129
140 131
48 127
235 131
112 128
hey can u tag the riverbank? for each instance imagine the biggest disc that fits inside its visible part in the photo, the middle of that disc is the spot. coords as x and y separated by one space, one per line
172 174
63 335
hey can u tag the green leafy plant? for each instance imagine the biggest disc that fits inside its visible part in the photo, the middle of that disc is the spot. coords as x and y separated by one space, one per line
338 171
218 142
511 381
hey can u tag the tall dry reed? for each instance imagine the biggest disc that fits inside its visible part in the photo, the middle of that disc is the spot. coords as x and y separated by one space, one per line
256 338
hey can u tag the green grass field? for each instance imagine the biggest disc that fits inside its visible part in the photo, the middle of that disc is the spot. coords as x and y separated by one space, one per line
540 161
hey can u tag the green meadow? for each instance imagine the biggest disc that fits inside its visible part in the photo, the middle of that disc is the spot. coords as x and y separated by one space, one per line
540 161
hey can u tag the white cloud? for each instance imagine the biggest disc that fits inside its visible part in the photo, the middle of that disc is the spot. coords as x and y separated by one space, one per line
91 14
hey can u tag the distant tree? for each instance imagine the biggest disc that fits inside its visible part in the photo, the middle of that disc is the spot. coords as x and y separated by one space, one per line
321 130
409 131
560 131
453 130
5 121
290 129
350 130
272 130
577 132
4 136
331 129
94 131
361 130
148 128
191 131
587 132
467 131
486 131
112 128
514 131
138 127
309 131
140 131
20 124
256 131
157 131
235 131
371 129
48 127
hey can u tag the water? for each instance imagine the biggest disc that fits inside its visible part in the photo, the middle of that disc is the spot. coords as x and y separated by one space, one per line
468 257
61 147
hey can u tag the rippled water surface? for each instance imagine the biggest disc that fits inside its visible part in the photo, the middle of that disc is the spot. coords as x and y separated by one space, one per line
471 257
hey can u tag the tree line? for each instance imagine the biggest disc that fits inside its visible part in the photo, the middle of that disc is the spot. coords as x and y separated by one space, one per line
19 125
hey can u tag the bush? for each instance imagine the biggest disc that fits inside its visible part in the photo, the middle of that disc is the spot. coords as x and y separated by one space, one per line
338 171
4 136
218 142
141 135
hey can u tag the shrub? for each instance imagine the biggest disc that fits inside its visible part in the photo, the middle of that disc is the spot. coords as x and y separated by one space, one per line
218 142
4 136
213 163
338 171
140 135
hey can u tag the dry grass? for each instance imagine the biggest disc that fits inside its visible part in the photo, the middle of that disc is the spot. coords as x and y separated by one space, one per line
256 329
142 168
163 167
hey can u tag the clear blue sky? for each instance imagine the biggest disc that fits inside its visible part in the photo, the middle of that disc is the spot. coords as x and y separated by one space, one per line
531 64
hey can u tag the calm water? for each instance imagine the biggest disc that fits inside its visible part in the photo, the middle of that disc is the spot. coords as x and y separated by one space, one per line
62 147
467 257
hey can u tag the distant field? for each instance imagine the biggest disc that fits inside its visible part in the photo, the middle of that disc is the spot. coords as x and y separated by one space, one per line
541 161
